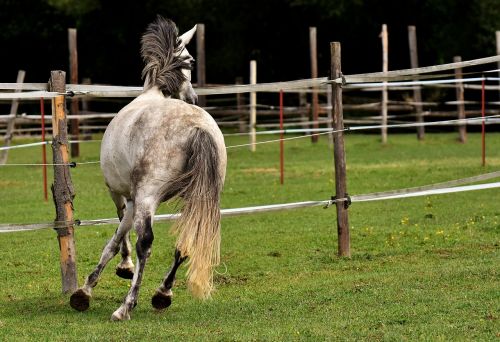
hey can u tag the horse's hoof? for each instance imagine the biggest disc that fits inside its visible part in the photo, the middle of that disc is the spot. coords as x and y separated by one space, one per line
118 315
80 300
125 273
161 301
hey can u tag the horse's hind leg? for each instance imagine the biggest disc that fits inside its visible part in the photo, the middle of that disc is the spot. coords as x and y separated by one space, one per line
125 269
80 299
163 296
143 224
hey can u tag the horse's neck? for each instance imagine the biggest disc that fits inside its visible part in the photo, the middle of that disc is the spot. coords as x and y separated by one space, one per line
153 92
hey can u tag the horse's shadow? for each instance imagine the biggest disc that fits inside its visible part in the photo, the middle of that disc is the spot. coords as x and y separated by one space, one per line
52 304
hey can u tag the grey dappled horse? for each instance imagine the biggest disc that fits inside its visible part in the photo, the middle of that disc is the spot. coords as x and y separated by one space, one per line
158 147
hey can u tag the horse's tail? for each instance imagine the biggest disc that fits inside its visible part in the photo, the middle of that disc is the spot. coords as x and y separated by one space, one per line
160 49
199 224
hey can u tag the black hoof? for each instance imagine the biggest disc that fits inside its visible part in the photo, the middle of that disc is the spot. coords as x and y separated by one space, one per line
161 301
125 273
79 300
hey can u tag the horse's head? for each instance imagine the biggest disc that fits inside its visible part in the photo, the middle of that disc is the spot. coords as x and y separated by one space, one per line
168 63
186 91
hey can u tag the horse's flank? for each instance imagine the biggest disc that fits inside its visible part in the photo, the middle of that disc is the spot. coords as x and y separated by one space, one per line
149 143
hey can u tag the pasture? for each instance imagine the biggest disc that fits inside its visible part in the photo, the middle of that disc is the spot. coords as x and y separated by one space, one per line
423 268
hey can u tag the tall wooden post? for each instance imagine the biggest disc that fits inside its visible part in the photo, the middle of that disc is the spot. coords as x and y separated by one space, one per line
344 244
303 117
462 128
11 124
282 147
417 95
329 112
200 61
253 106
85 102
73 76
239 107
62 189
483 123
497 34
385 68
314 74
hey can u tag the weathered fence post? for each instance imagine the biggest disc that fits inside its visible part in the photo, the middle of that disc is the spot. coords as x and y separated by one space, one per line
314 74
385 68
329 114
200 61
462 128
344 248
497 35
73 78
417 95
11 125
253 105
62 189
303 117
239 107
483 123
85 110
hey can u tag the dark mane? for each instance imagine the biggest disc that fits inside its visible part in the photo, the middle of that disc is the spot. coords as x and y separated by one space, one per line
160 49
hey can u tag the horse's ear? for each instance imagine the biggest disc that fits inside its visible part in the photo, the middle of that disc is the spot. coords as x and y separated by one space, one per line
187 36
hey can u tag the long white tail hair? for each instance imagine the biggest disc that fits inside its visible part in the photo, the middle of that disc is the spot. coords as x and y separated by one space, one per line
199 224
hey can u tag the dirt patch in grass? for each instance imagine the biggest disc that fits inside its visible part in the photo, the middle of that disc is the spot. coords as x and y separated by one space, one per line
10 183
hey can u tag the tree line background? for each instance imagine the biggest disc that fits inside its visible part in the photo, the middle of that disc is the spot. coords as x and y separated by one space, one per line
33 35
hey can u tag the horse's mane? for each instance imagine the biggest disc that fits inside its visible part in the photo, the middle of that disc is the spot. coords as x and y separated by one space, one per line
160 49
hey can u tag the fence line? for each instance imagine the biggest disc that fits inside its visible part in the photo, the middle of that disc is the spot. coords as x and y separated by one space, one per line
121 91
350 80
427 190
491 119
287 109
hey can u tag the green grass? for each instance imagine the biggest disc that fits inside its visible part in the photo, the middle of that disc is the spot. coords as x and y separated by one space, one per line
423 268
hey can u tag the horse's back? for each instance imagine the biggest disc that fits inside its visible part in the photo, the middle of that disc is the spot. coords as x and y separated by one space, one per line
145 144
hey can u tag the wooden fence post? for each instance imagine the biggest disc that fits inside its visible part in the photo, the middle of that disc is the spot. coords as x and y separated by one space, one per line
303 117
462 128
62 189
200 61
87 133
11 125
497 34
385 68
314 74
239 107
253 105
344 248
73 76
329 114
417 95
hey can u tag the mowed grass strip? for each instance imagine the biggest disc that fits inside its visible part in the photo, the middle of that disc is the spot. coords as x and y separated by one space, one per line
422 268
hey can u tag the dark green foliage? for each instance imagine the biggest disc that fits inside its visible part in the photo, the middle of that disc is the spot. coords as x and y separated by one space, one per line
33 34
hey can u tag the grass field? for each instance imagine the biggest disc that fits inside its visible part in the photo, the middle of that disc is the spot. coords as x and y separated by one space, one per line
424 268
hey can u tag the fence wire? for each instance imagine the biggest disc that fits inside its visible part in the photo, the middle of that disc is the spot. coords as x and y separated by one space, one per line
427 190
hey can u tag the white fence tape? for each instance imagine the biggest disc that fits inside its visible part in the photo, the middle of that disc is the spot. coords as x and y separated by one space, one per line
115 91
379 197
119 91
3 148
29 95
490 119
433 189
